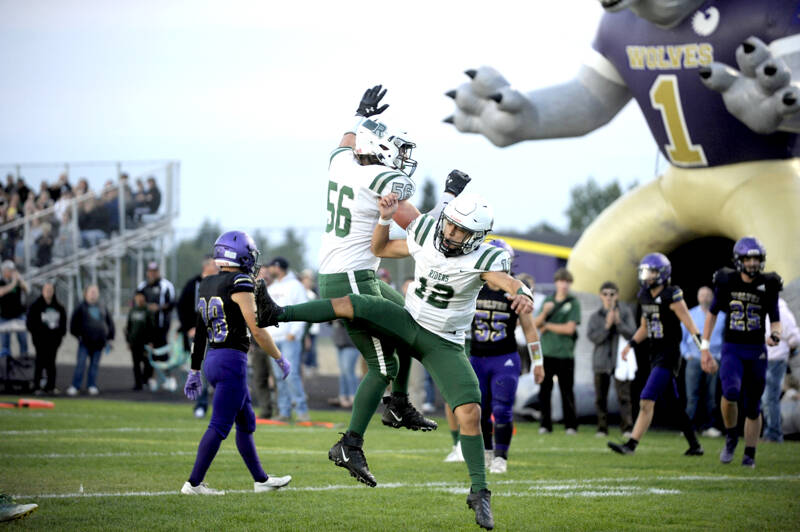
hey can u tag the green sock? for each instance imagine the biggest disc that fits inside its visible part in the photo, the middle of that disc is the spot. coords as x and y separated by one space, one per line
454 434
315 311
366 400
400 383
472 449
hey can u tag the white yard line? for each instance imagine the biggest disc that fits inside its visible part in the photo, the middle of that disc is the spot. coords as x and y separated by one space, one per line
599 487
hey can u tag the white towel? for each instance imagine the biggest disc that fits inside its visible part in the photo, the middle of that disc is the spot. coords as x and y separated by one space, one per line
626 369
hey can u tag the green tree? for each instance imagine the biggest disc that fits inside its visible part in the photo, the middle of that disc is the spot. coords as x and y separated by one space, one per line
587 201
190 253
293 249
428 196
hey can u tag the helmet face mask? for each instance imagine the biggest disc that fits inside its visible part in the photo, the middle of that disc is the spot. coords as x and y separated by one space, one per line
470 214
747 248
373 140
237 249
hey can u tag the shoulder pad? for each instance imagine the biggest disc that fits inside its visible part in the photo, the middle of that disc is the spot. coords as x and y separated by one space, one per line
722 276
422 229
774 281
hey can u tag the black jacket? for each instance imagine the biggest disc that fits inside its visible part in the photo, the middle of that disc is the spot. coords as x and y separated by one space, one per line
47 323
92 326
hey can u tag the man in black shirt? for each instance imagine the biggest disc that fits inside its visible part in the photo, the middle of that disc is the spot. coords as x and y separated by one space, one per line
47 322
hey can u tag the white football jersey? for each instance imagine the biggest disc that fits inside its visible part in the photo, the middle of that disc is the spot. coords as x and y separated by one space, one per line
442 297
353 192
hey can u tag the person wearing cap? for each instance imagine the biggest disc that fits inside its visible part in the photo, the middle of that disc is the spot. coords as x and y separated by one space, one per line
12 286
285 289
160 296
557 323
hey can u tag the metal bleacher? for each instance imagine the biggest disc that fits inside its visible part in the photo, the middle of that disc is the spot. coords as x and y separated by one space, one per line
117 262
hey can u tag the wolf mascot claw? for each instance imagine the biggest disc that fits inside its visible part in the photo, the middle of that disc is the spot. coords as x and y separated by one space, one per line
717 84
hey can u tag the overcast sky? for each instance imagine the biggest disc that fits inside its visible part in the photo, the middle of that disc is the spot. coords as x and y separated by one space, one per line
252 96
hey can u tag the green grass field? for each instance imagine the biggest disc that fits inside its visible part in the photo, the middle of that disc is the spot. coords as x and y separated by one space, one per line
107 465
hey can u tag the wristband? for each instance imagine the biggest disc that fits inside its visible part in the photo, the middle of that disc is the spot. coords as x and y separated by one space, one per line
381 221
535 352
525 291
633 343
359 120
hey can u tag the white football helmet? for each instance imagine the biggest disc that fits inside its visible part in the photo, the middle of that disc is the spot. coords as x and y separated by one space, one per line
469 212
390 148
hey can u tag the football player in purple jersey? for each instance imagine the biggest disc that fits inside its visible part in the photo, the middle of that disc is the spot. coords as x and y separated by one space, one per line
226 309
717 84
747 295
663 311
494 357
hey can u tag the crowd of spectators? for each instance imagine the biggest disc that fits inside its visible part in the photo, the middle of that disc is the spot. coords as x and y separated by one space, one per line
52 231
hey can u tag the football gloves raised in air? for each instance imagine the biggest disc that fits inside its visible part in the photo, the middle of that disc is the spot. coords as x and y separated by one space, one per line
456 181
369 102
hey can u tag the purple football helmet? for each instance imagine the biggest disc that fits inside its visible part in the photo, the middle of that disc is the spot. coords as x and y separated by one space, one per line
237 249
654 269
747 247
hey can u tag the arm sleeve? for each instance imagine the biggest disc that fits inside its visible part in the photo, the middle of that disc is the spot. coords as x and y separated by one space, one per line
596 330
627 325
199 348
75 325
575 311
110 323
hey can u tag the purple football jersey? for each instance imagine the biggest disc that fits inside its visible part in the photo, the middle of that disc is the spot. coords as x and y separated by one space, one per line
660 68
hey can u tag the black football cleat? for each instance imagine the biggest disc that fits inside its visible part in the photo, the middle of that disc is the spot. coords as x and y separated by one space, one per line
694 450
480 502
399 412
267 310
347 453
620 448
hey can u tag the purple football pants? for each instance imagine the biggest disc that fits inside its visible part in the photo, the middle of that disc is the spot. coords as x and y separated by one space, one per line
226 370
743 373
498 377
661 381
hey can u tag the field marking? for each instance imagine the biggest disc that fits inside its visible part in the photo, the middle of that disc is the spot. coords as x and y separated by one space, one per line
33 432
599 487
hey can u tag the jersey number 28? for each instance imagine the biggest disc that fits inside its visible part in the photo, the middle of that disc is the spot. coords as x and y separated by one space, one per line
213 314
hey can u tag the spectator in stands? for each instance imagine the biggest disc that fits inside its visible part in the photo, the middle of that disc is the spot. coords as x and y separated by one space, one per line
778 357
12 308
348 355
44 245
93 222
697 382
309 353
61 186
82 187
63 203
187 315
160 296
259 360
47 323
9 188
92 325
138 333
22 189
558 322
609 328
153 195
287 290
64 243
130 205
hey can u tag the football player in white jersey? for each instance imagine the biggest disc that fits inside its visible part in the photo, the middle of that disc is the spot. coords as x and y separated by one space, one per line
452 264
371 160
